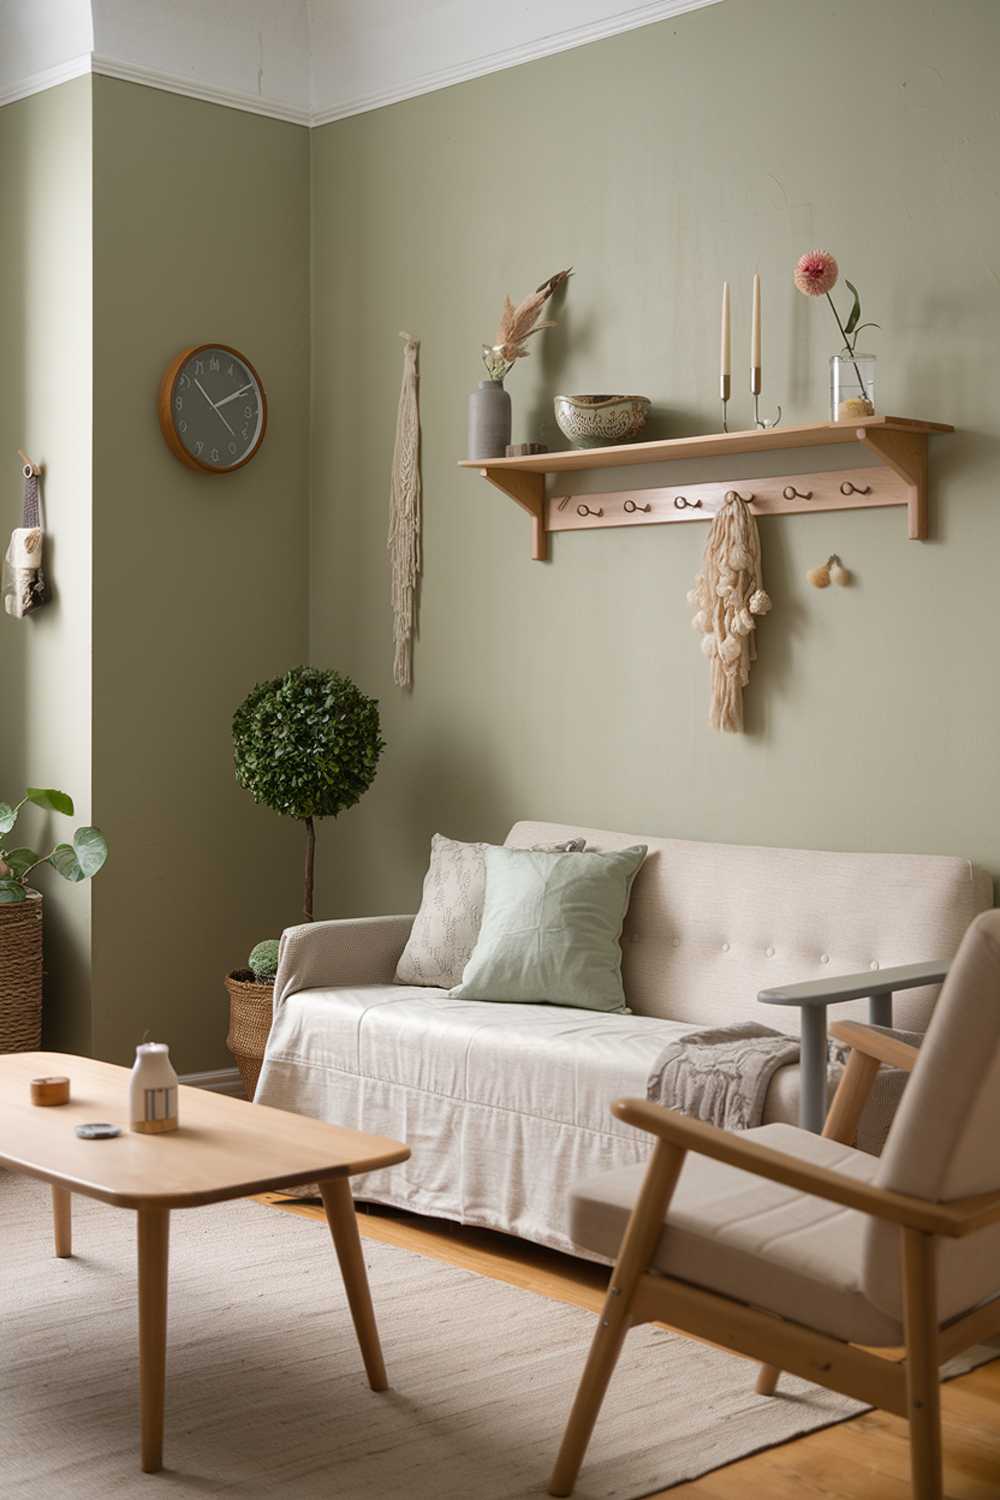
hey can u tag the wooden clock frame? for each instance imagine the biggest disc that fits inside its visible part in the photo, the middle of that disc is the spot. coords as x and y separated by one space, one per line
166 410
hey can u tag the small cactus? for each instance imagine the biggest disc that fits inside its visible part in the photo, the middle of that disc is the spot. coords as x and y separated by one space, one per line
263 961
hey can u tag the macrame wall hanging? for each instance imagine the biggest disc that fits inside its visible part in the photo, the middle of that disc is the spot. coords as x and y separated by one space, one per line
729 597
23 579
404 517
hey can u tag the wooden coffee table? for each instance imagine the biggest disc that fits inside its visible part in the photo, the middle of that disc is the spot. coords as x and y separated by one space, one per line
225 1148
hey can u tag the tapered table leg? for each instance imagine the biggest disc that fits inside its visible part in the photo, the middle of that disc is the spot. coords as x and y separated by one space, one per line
340 1216
154 1239
62 1220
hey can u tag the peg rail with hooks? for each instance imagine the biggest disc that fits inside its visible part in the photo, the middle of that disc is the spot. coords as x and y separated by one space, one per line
865 490
899 443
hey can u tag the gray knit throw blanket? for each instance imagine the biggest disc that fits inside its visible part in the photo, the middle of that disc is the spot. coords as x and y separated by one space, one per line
722 1075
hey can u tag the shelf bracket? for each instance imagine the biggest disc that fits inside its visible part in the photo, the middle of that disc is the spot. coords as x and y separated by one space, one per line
529 491
906 454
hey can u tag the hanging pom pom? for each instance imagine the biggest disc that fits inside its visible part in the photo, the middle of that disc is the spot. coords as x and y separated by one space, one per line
838 573
819 577
739 559
730 650
708 645
760 602
744 622
700 621
693 596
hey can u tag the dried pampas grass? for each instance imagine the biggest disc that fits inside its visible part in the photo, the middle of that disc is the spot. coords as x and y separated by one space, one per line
517 324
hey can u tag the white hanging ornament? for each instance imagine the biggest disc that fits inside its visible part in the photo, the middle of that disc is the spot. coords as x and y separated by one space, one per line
729 594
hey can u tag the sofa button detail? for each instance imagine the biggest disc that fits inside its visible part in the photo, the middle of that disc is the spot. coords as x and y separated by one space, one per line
874 964
675 942
824 958
769 952
725 947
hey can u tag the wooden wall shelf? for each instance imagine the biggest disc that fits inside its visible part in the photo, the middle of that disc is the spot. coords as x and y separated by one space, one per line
899 443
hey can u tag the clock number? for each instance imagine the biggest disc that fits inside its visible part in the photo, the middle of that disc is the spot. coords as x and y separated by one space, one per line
248 412
199 367
231 447
215 455
198 447
214 364
179 403
231 370
183 383
244 432
182 426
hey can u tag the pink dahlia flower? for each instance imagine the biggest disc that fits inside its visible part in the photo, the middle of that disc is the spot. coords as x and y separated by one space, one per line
816 272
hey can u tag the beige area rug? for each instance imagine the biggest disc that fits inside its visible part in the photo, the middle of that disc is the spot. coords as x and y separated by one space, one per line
265 1390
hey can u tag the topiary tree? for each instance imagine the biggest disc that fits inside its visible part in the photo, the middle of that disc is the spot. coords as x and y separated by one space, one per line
307 745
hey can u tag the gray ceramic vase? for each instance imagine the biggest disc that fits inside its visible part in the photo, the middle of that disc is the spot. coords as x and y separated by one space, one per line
489 420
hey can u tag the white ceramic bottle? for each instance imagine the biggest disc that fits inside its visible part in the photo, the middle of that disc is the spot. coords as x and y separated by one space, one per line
152 1093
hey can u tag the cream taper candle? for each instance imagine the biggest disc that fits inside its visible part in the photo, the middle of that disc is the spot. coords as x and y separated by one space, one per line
755 366
725 357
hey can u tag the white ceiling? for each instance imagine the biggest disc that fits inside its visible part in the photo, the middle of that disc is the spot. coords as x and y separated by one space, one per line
310 61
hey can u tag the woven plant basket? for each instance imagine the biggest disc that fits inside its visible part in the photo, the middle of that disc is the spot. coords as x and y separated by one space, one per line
250 1009
21 975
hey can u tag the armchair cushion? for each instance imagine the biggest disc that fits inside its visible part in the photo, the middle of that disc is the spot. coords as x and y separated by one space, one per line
755 1240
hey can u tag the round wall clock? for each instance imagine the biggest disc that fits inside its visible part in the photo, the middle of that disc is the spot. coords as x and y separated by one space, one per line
213 411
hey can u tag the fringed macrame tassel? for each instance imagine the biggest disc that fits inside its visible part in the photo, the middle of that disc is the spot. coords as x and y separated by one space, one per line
404 517
728 596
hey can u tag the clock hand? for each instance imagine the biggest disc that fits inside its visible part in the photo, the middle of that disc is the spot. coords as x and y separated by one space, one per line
213 405
226 399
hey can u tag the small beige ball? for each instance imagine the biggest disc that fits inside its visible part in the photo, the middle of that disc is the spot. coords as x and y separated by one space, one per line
819 577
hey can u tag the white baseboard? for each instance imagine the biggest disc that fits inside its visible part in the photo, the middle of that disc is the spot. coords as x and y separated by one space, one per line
222 1081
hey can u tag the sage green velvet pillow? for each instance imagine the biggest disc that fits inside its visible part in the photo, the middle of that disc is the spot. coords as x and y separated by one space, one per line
551 929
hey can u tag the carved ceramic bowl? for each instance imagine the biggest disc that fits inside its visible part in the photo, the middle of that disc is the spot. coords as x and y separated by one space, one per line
596 421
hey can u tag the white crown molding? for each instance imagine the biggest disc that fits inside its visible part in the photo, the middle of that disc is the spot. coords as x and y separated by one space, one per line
511 57
47 78
109 67
333 42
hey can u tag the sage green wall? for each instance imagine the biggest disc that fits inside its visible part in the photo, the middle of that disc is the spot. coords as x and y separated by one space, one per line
658 163
200 233
45 408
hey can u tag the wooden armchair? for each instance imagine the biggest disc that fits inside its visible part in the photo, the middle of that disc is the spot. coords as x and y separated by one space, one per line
773 1268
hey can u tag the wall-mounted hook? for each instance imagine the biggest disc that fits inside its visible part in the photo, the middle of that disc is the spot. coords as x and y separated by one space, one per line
631 507
735 495
791 493
681 502
847 488
29 466
585 510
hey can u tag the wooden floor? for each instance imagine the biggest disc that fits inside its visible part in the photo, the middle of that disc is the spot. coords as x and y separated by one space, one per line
865 1459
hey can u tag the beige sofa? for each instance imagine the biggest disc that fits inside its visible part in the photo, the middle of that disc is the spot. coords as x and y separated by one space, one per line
503 1105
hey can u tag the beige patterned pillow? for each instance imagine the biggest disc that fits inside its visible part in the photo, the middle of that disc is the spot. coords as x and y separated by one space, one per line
447 925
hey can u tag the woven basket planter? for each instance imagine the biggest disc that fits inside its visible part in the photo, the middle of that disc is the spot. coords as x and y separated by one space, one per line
21 975
251 1006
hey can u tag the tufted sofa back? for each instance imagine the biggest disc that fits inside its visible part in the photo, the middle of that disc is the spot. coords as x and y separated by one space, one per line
709 925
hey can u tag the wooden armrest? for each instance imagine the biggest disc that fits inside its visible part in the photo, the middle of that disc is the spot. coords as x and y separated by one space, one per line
876 1044
952 1219
839 988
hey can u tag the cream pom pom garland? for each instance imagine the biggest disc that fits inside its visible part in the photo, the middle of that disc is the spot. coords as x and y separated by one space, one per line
832 571
728 597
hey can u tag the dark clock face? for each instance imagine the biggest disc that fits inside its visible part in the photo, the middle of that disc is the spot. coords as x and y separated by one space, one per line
217 408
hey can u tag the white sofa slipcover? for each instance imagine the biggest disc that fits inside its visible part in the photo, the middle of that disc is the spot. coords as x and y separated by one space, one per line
503 1105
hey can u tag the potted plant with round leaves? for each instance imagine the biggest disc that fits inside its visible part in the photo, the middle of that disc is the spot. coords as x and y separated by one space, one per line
21 911
307 745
